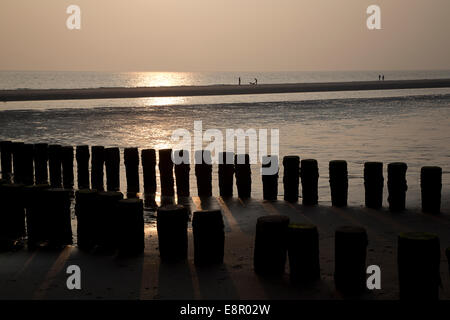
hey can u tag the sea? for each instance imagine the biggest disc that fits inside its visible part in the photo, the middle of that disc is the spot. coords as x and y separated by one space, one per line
411 126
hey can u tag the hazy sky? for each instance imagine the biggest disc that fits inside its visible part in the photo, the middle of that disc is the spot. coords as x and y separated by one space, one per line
224 35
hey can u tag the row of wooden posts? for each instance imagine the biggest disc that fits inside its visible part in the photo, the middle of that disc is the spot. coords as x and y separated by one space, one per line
27 164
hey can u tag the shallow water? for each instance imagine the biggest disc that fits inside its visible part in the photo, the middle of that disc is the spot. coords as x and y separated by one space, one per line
413 129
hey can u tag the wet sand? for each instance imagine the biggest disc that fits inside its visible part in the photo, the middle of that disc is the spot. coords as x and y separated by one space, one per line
42 274
211 90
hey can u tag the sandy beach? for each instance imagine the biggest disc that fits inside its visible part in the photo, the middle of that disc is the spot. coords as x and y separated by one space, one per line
211 90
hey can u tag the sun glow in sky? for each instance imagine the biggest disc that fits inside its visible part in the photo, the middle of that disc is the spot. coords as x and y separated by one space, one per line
224 35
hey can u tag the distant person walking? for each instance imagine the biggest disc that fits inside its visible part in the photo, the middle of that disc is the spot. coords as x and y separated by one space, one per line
239 80
256 81
379 77
382 77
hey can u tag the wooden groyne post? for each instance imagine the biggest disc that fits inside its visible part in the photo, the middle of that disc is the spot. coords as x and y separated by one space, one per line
67 166
350 259
338 182
291 178
54 165
131 160
86 209
148 157
243 174
83 156
397 185
182 174
97 164
172 222
131 235
373 184
270 181
41 163
209 237
431 187
6 159
270 250
225 174
203 172
112 166
166 172
309 172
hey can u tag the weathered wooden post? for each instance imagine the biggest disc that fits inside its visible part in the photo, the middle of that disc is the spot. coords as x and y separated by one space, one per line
203 172
40 163
59 225
148 157
243 175
86 210
6 159
36 214
182 174
131 238
350 259
270 179
97 163
17 162
338 182
12 217
373 184
419 258
55 166
131 159
303 251
108 222
67 166
270 245
397 185
209 237
431 187
447 253
112 165
172 221
226 172
166 172
309 172
83 167
27 158
291 177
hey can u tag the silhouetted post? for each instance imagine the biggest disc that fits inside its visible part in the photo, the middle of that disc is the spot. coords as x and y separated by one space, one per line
6 159
17 162
447 253
270 181
303 251
67 166
291 177
209 237
148 167
309 173
373 184
131 224
243 175
182 175
27 159
172 221
54 164
108 224
338 182
83 167
203 172
166 172
270 245
226 172
40 163
59 225
12 217
397 186
431 186
112 165
350 259
36 213
131 159
86 210
97 163
419 258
